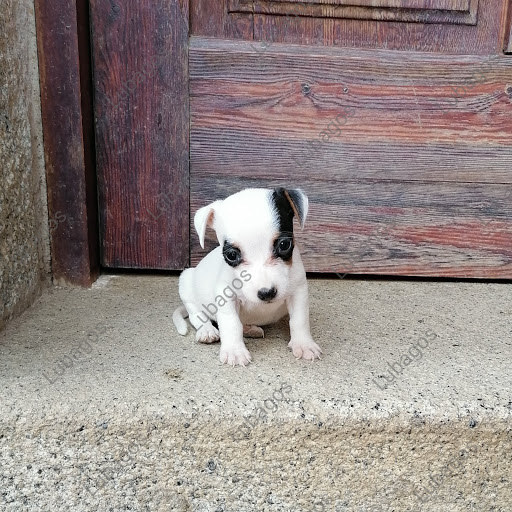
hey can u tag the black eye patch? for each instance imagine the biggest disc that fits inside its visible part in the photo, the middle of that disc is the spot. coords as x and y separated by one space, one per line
232 254
283 247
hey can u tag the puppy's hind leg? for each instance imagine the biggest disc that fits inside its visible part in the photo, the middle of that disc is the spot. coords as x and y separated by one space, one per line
205 331
253 331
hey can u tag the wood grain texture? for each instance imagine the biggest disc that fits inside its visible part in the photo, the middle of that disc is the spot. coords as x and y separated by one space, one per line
408 152
446 5
221 18
413 11
65 103
478 32
415 116
142 125
420 32
414 229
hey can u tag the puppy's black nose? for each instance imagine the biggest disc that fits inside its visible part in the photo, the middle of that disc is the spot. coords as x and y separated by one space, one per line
267 293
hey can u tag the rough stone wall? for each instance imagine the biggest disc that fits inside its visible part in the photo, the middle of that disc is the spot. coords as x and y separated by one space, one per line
24 241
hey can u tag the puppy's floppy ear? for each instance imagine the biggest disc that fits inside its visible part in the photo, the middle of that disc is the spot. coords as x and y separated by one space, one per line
299 202
204 217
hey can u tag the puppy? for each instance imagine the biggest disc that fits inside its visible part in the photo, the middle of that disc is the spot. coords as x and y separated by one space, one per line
253 278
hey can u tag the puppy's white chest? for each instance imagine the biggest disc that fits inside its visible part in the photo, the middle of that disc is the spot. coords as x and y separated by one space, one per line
262 314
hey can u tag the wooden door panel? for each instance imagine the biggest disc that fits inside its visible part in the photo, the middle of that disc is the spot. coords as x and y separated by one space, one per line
258 118
415 11
141 110
427 31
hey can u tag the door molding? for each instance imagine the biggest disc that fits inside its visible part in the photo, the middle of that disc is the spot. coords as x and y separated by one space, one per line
459 12
508 36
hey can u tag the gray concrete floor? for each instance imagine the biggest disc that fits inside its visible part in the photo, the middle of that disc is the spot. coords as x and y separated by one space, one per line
121 362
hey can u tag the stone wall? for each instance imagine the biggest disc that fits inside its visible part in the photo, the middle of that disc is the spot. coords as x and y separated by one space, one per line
24 241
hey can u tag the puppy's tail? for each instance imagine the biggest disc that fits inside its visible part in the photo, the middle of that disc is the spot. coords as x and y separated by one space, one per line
178 317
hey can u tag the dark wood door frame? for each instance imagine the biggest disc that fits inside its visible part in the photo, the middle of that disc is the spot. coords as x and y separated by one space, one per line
68 134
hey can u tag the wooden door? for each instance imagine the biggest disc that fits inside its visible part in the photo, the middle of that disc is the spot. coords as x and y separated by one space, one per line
393 115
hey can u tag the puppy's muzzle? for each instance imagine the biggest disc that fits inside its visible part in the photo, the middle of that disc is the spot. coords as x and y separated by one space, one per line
267 294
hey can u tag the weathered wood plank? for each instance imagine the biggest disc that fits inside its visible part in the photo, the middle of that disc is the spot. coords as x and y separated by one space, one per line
229 150
141 91
408 117
68 146
389 228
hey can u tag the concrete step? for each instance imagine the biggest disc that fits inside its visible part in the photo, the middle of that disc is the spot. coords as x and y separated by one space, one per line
105 407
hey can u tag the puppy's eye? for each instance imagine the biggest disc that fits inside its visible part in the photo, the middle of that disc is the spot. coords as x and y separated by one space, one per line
283 248
285 245
232 255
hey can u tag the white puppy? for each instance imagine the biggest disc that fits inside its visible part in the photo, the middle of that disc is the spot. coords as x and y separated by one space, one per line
253 278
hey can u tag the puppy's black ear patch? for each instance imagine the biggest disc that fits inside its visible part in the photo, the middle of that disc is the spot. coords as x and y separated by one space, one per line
283 210
290 202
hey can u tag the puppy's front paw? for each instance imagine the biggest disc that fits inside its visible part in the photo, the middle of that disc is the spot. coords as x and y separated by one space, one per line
305 349
235 355
207 333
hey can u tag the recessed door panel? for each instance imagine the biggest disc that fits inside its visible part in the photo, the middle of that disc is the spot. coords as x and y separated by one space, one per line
415 11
